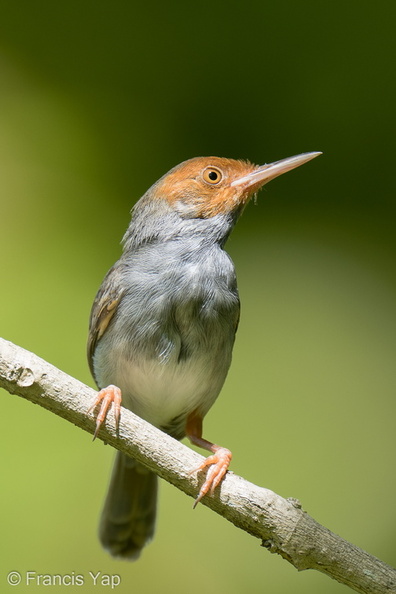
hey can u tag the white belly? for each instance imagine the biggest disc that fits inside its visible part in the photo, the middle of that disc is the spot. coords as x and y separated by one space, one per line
164 394
161 393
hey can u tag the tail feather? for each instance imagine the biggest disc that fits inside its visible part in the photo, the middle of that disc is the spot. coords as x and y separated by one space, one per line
128 517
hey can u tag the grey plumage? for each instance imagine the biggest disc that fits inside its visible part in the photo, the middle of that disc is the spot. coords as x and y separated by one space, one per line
128 516
163 323
167 345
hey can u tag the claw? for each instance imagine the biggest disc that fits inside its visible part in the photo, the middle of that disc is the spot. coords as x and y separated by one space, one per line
219 464
107 396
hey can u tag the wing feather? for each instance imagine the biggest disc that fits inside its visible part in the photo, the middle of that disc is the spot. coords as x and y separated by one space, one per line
103 310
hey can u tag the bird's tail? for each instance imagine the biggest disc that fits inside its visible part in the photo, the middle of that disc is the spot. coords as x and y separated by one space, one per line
128 516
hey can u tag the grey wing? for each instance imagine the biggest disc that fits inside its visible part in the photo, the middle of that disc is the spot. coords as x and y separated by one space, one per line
103 309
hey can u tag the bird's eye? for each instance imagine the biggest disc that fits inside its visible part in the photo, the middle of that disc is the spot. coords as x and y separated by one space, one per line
212 175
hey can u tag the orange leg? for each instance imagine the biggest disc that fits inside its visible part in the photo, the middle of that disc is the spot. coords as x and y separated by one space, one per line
219 462
105 398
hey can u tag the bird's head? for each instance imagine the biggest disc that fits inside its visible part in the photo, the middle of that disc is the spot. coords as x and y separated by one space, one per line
204 187
201 198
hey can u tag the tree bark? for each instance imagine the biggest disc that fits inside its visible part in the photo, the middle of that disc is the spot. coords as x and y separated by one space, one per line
281 524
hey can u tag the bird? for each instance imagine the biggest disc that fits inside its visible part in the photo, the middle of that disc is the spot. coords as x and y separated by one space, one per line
163 324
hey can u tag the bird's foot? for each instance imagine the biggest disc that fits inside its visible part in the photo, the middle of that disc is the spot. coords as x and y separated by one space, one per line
106 397
219 463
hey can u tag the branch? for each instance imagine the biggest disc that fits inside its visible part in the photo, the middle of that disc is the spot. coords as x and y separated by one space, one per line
281 524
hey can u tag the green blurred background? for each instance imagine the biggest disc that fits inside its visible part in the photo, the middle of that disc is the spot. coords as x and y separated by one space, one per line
99 99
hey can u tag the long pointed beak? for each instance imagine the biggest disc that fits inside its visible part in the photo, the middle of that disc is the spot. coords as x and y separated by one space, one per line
266 173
